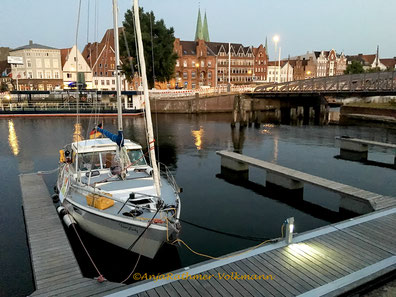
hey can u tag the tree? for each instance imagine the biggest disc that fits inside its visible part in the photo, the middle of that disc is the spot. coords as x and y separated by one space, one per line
354 68
164 57
373 69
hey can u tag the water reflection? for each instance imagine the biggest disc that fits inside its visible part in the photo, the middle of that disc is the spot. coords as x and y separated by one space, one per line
275 156
198 134
77 136
238 139
12 138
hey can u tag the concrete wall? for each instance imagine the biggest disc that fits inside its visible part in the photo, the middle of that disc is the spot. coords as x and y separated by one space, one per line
221 103
345 110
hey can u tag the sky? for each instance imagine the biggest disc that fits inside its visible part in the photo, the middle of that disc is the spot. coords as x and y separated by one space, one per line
349 26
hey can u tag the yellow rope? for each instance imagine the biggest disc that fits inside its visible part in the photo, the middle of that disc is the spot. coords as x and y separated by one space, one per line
220 258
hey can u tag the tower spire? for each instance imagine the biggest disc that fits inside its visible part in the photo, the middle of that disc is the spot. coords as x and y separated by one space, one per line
266 44
198 31
205 29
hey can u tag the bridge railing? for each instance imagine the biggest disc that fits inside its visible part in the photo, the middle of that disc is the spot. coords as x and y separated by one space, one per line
377 81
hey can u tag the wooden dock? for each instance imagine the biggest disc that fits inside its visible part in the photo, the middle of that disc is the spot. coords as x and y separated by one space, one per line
325 262
357 149
55 268
352 199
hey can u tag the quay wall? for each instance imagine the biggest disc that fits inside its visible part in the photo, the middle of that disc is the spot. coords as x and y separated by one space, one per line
347 110
218 103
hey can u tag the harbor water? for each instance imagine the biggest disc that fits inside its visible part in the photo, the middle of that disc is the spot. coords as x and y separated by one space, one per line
213 206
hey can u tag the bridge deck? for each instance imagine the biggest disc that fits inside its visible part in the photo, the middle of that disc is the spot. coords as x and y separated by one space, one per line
376 201
55 269
323 262
368 142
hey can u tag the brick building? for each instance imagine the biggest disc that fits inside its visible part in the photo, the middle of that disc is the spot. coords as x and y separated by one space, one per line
304 68
202 63
100 57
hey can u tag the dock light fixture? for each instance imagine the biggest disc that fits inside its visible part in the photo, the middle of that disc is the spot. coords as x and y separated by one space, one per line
289 230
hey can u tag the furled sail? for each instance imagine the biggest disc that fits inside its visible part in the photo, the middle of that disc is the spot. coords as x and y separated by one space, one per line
119 138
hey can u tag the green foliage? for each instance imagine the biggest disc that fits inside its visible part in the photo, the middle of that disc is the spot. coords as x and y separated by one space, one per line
163 38
354 68
373 69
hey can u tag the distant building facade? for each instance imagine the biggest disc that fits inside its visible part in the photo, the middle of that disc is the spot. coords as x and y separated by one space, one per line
42 69
100 57
69 58
280 73
205 63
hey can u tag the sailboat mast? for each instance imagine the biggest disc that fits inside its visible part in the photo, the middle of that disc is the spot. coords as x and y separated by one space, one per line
146 99
117 65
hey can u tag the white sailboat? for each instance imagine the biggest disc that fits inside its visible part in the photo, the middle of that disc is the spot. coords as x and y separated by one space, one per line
107 187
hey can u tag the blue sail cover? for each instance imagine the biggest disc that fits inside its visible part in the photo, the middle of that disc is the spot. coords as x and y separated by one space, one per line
119 139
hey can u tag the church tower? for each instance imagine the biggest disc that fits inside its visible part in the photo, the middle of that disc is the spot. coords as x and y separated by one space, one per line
205 29
198 31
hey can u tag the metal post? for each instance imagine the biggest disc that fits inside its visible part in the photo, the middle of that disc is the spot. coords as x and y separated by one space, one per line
289 230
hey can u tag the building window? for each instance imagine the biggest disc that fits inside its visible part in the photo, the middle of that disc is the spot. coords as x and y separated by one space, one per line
193 85
55 63
107 82
38 63
193 74
184 63
177 63
193 64
48 74
102 82
113 81
101 73
210 74
39 74
185 75
100 65
29 63
202 64
209 64
96 82
47 63
68 75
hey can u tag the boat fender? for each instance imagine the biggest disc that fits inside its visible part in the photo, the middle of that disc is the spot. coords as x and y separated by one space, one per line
149 171
55 198
56 189
62 158
68 220
61 211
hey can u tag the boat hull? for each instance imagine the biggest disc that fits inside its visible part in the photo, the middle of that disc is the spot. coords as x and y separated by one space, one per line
118 232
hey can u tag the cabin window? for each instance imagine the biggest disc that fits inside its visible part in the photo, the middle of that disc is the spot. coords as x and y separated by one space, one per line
88 161
136 157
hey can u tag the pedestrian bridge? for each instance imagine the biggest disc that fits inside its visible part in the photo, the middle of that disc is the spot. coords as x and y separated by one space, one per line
365 84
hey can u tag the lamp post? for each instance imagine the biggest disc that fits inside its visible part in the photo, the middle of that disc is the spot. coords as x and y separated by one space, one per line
275 39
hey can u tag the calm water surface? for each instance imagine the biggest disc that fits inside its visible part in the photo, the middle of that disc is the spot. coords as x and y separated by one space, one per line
187 144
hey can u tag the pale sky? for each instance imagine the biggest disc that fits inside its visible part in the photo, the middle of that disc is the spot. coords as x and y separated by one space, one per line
351 26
